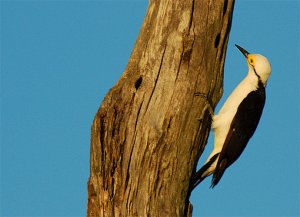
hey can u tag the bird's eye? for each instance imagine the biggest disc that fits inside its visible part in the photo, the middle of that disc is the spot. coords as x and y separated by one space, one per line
251 61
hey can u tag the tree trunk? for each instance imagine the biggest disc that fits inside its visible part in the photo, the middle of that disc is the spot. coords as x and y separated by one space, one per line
145 138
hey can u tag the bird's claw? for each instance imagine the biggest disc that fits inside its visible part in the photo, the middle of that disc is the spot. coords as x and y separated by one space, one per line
206 107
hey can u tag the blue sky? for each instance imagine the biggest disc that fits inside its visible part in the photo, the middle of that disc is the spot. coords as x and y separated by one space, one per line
58 60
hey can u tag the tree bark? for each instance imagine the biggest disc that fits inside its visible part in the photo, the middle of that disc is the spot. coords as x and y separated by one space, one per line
145 138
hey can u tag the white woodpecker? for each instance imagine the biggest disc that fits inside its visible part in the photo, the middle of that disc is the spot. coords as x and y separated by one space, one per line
237 120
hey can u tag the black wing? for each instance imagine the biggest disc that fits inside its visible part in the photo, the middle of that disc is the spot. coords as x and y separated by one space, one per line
241 130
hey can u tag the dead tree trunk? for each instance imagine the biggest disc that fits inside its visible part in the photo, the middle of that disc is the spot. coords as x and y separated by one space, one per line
145 138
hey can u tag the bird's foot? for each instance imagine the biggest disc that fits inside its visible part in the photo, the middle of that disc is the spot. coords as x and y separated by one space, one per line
206 107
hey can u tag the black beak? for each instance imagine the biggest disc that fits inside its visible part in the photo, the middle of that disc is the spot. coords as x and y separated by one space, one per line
244 52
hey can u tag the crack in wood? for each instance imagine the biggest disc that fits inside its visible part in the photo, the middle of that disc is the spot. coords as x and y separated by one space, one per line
157 77
192 14
102 137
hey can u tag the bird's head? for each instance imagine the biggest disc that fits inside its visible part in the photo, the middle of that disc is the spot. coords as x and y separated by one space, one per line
258 64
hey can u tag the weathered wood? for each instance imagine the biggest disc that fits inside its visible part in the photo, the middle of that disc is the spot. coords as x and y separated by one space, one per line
145 138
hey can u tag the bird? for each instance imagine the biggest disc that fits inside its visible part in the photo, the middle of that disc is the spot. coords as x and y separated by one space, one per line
237 119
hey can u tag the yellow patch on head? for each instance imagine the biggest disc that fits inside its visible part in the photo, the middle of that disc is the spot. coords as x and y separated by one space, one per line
251 59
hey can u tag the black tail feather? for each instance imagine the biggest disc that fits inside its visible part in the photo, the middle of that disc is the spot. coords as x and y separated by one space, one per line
197 178
219 171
